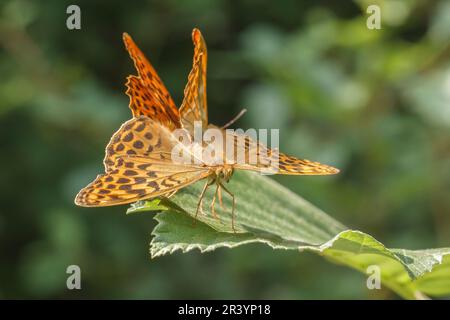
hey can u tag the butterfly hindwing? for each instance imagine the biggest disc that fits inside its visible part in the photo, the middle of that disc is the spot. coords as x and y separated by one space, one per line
139 165
140 136
138 178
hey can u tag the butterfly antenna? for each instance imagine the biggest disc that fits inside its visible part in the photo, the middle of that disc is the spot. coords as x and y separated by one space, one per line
240 114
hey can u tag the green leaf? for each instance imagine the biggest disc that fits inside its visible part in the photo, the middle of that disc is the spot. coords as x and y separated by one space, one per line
142 206
268 213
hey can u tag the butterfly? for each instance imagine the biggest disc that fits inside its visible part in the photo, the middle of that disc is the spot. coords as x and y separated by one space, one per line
139 161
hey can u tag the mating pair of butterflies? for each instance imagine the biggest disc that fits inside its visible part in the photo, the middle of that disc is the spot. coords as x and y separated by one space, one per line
138 164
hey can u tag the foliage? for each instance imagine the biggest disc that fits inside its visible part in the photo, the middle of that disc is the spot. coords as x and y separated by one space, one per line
272 215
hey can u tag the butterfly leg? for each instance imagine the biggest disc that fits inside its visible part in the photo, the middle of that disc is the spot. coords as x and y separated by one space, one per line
219 192
200 201
234 205
171 194
213 202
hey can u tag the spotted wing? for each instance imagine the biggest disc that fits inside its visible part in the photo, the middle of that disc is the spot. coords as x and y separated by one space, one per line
138 165
194 106
147 93
251 155
138 178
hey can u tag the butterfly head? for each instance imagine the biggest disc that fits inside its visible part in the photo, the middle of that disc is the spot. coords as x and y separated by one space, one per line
224 173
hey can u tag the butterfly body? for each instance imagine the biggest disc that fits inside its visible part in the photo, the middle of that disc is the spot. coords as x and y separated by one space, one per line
140 162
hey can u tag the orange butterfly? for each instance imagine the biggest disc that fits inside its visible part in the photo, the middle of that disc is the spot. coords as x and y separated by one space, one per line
139 161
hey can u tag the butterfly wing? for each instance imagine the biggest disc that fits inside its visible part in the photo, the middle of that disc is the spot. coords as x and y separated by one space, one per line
255 156
194 106
138 136
123 185
147 93
138 165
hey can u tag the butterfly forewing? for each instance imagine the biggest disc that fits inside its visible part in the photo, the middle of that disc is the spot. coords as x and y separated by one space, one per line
249 154
194 106
147 93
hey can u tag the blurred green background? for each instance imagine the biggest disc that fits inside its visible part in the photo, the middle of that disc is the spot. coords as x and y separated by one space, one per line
374 103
